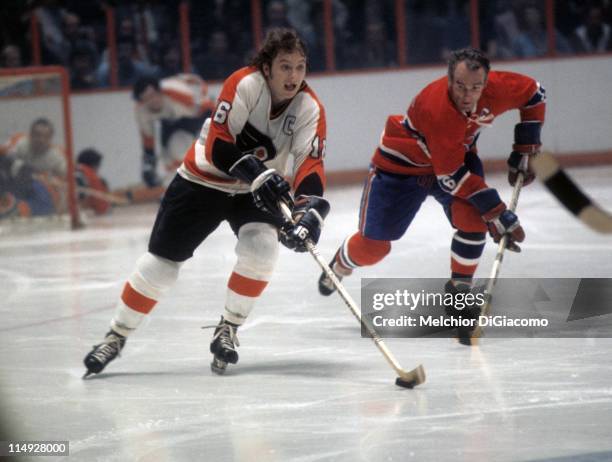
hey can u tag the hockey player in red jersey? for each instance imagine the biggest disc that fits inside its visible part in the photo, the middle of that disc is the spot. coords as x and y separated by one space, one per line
431 150
268 124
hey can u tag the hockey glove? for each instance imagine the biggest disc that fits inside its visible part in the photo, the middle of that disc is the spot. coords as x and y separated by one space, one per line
308 215
502 221
267 186
526 146
149 169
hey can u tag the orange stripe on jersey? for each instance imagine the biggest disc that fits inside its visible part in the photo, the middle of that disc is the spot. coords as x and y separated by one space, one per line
137 301
246 286
11 142
314 163
179 96
308 167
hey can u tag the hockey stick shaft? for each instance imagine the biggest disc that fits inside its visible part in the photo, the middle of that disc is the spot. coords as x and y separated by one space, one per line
499 258
417 375
501 248
109 197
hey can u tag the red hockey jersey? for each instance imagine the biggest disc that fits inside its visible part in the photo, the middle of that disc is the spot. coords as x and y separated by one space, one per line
433 137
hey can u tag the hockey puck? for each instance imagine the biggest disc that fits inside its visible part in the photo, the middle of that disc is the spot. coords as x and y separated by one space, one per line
404 383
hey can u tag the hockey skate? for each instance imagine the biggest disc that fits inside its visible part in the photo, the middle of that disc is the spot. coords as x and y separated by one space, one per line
223 346
464 333
103 353
326 286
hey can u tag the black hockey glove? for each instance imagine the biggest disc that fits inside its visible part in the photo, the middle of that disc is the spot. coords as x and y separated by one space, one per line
149 169
526 146
308 215
267 186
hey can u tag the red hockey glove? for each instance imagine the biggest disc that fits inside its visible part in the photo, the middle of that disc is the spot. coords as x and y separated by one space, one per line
502 221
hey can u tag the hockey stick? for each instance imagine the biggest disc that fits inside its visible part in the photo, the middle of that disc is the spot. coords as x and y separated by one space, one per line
569 194
499 258
406 379
106 196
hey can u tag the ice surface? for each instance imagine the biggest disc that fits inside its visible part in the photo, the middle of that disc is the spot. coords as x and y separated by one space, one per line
307 387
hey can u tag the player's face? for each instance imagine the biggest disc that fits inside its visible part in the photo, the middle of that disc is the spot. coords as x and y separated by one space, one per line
40 138
152 99
466 87
286 75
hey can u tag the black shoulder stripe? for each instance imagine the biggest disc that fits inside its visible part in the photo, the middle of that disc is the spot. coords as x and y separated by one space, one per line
567 192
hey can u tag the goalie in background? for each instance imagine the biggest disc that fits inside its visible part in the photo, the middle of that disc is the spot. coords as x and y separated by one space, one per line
268 124
35 171
431 151
170 113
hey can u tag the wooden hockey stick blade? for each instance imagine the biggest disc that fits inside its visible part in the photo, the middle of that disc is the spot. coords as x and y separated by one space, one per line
570 195
406 379
411 379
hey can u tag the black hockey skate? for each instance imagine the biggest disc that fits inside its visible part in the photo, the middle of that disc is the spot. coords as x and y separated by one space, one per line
326 286
223 346
103 353
470 313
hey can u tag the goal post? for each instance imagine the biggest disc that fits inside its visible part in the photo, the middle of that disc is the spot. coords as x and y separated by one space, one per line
28 94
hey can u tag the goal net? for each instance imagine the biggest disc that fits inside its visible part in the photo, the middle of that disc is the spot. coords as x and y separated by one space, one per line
37 186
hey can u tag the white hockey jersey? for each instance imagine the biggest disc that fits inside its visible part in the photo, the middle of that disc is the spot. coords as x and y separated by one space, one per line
183 95
292 141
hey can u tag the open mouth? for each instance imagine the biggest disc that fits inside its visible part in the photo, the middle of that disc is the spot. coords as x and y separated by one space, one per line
290 87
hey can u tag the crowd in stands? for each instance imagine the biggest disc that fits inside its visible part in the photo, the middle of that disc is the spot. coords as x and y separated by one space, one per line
74 33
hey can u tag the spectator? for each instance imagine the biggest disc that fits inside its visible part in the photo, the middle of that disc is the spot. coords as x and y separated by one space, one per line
53 43
83 67
219 61
130 69
277 15
594 36
11 56
533 39
170 62
377 50
506 28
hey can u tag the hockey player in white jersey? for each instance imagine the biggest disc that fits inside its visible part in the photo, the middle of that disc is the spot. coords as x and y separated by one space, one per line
169 113
268 125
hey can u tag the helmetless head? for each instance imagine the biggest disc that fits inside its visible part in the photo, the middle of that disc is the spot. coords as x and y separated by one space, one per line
468 69
282 60
148 93
41 134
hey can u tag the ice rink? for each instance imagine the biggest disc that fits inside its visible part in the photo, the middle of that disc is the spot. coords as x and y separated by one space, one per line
307 387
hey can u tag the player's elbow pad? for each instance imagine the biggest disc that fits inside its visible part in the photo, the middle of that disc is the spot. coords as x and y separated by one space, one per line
527 137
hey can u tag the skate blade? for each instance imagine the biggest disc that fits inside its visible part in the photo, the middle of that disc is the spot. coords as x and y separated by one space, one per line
87 374
218 367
